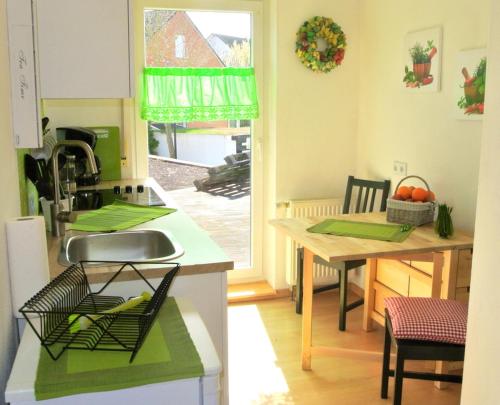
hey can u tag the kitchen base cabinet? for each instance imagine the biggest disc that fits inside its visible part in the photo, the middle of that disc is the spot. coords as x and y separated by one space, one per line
208 293
192 391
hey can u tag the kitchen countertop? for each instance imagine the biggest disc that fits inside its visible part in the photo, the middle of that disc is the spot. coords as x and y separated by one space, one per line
202 255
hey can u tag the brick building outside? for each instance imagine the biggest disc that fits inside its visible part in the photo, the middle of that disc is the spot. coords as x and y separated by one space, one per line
176 42
172 40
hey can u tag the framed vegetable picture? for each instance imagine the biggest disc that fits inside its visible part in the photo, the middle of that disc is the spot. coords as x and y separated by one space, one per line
422 60
470 84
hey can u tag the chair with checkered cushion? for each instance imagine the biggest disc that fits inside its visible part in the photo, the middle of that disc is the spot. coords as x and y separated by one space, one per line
422 329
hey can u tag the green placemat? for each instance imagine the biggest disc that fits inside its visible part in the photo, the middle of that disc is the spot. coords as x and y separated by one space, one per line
117 217
77 372
364 230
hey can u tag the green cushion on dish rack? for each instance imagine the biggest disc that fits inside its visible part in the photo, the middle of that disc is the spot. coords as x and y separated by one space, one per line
364 230
153 351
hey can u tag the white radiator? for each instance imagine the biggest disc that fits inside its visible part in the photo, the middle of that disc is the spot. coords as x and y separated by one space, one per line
310 208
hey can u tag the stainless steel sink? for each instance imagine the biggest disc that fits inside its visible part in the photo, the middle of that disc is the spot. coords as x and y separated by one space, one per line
145 245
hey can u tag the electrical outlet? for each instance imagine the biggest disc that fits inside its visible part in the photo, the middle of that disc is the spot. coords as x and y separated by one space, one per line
399 168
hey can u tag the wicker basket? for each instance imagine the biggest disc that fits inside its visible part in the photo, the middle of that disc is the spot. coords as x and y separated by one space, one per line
405 212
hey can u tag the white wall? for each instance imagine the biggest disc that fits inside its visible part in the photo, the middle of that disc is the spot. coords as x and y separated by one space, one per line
205 149
481 374
162 149
93 113
419 128
10 206
316 117
311 135
84 113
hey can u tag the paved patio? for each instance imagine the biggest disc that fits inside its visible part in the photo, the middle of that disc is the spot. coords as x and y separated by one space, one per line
174 176
224 212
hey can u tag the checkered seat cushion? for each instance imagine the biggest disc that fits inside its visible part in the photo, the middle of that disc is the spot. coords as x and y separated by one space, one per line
430 319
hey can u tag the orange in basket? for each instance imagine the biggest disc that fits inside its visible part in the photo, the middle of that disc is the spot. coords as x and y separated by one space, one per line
404 192
419 194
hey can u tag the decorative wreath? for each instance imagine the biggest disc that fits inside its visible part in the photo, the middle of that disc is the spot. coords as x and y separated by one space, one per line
306 46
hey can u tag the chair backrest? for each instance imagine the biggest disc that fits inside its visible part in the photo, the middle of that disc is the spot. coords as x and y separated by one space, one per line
366 193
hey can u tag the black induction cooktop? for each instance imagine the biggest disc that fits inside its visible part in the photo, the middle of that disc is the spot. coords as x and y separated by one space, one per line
94 199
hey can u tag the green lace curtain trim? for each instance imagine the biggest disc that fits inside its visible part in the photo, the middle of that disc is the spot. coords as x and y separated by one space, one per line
199 94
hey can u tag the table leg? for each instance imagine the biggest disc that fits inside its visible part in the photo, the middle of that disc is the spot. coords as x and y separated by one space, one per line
370 273
437 274
307 294
445 267
450 269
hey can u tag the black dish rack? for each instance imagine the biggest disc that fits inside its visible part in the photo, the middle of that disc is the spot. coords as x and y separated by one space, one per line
69 293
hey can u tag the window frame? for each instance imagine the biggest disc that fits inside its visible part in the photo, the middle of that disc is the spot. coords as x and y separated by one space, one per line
180 47
138 166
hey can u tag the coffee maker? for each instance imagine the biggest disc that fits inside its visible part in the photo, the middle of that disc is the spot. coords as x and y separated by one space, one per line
83 177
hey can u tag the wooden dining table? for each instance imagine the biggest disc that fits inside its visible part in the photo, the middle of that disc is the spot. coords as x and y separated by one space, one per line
422 244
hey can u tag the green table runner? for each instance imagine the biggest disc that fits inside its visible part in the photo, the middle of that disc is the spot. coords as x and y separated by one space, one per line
364 230
118 216
167 354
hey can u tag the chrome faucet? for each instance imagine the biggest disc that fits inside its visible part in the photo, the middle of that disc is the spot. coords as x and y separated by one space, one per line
57 216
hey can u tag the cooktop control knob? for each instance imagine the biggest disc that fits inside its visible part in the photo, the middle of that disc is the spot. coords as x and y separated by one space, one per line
140 188
117 190
128 189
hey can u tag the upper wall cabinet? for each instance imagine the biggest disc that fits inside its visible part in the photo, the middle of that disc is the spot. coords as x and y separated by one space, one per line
84 48
23 84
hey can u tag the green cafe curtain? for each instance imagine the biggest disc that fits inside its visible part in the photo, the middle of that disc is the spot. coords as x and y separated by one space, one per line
198 94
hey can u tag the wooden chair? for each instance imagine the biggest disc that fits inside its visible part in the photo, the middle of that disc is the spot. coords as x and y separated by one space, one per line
366 191
422 329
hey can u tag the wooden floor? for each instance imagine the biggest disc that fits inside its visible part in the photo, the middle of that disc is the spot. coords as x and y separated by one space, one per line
264 359
256 291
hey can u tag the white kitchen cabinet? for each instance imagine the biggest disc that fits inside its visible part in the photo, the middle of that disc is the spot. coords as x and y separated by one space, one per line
203 390
26 120
66 49
84 48
208 294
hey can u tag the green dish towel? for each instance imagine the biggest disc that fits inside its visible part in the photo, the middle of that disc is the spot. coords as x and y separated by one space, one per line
167 354
117 217
363 230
